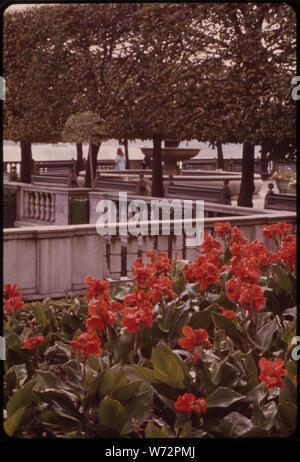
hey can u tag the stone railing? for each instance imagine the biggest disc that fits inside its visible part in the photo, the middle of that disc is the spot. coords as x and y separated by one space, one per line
9 165
43 204
48 261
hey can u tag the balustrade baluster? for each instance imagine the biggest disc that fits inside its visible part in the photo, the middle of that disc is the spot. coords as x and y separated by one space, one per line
42 206
52 208
47 208
26 204
31 204
36 205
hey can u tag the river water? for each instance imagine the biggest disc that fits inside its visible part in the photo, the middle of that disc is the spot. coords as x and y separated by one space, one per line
67 151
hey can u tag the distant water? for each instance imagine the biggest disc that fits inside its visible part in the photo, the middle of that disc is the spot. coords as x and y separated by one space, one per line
67 151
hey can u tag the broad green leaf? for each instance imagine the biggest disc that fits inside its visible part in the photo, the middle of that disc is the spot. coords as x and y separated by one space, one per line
138 372
12 424
20 398
167 369
153 431
139 407
287 417
222 322
112 414
265 335
289 392
125 393
179 285
223 397
40 315
111 381
235 425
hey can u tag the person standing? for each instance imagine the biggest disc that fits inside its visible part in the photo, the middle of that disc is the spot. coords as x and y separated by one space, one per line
120 161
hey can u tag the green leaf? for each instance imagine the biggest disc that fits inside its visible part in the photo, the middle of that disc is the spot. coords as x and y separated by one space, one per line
48 380
283 279
124 346
20 398
40 315
139 407
235 425
14 421
223 397
202 319
222 322
225 374
256 432
61 397
138 372
111 381
265 335
289 391
153 431
167 368
112 414
125 393
179 285
287 417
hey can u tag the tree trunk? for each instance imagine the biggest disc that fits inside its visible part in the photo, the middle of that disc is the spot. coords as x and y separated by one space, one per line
126 153
79 160
247 183
92 158
220 155
26 162
264 158
157 172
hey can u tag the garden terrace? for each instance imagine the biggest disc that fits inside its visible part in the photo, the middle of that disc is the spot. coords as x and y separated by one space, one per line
58 258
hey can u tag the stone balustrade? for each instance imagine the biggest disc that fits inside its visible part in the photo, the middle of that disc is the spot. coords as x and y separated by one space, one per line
48 261
43 204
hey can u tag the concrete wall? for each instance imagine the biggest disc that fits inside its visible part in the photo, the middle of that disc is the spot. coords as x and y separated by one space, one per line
46 261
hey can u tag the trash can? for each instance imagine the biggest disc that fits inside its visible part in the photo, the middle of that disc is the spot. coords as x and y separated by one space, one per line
79 211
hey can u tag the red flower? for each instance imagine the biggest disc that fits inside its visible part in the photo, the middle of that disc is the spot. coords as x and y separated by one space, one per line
233 289
96 288
210 245
288 252
14 304
135 317
204 270
192 338
184 402
187 403
142 272
10 291
32 343
237 236
100 316
159 287
252 297
116 306
271 373
278 229
228 313
199 406
246 269
222 228
87 344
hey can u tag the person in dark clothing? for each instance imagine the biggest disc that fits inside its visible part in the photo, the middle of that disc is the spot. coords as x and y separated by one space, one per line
141 187
146 163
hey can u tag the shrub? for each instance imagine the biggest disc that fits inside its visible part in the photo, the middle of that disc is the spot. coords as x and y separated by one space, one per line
200 349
